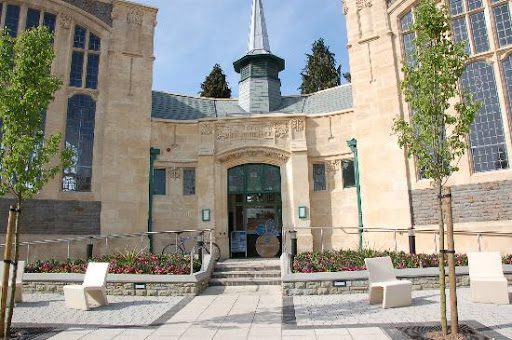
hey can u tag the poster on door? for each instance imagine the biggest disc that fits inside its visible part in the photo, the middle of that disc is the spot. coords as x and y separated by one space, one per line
238 242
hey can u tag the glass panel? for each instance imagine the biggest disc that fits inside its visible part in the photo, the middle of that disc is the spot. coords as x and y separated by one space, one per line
349 175
94 42
49 20
272 175
409 48
80 138
406 21
507 73
77 66
460 33
261 221
159 182
236 179
93 61
254 178
474 4
503 24
479 30
319 177
12 18
456 7
189 182
33 16
487 135
79 39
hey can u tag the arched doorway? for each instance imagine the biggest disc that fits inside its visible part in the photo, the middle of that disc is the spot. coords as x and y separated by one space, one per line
254 210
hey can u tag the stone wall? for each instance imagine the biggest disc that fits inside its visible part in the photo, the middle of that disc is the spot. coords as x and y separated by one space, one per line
125 289
53 217
470 203
361 285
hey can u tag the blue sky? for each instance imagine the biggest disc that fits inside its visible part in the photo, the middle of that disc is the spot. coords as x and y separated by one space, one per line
193 35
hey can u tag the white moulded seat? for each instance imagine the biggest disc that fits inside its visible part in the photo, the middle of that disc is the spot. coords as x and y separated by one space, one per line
92 292
486 279
384 286
18 295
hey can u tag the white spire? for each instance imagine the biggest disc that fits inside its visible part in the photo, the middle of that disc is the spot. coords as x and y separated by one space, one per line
258 38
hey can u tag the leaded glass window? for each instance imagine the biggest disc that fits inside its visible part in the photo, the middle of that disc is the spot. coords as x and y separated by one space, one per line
474 4
189 181
456 7
85 57
503 24
80 139
49 21
319 183
408 36
159 181
460 32
479 30
33 16
507 75
349 174
12 19
487 136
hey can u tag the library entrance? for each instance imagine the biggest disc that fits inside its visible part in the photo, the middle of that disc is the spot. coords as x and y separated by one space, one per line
254 211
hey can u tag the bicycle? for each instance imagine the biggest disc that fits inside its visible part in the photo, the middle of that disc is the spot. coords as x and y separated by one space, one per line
185 245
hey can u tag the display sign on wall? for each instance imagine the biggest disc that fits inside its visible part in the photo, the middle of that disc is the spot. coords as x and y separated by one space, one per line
239 242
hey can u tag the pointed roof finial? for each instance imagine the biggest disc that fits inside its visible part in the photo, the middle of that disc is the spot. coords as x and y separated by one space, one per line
258 38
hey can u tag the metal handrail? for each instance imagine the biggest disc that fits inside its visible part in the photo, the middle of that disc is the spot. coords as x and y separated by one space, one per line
91 238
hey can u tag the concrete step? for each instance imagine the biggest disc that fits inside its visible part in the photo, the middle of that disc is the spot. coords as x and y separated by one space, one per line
244 282
226 267
247 274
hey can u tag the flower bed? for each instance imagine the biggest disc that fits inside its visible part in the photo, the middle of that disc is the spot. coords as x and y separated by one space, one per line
351 260
122 264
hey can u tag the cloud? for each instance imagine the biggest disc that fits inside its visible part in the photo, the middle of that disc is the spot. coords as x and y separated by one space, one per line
193 35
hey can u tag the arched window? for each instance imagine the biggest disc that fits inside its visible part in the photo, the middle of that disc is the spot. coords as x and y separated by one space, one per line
487 134
80 139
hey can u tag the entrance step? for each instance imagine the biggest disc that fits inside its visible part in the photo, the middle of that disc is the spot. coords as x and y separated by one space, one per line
243 272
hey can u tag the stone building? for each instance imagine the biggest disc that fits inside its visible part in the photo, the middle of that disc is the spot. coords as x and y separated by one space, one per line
264 162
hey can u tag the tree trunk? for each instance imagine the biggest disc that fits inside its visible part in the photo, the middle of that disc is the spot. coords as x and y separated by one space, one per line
10 306
5 274
454 318
442 275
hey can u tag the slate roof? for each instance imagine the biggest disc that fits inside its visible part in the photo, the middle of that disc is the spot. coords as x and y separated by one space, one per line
178 107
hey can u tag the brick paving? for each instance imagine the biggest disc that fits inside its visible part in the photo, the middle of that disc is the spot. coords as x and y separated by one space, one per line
250 313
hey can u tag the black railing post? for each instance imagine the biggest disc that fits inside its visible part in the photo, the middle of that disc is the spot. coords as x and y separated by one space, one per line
89 248
412 241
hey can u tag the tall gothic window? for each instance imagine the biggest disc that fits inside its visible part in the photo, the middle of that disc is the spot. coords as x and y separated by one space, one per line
408 36
35 18
80 138
189 181
12 19
507 75
319 182
468 24
502 22
85 59
487 135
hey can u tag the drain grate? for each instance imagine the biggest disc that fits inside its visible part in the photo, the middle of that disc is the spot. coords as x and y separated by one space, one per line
422 332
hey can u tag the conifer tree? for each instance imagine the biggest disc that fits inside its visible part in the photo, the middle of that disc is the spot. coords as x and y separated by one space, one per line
320 72
215 84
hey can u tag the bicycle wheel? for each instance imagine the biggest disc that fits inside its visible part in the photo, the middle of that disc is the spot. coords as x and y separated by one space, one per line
215 252
172 248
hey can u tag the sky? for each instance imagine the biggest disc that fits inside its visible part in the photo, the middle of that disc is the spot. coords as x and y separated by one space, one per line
193 35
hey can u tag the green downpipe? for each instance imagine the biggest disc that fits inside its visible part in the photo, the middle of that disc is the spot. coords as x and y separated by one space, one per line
352 144
153 153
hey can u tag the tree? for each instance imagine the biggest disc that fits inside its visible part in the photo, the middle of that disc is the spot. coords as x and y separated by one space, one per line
437 130
320 72
27 158
215 84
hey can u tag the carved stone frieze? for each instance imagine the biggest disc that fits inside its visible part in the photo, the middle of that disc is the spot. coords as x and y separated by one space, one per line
65 21
99 9
135 17
281 130
298 124
253 153
174 173
206 129
363 3
334 166
229 133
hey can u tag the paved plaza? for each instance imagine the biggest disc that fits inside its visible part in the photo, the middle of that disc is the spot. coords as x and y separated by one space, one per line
251 313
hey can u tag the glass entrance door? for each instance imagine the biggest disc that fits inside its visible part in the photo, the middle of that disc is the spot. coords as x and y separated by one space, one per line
254 208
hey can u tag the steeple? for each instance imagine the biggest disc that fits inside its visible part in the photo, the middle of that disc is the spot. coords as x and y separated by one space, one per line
260 87
258 38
